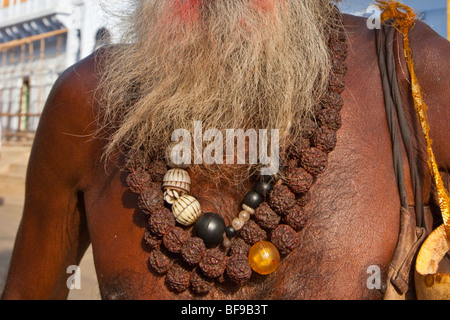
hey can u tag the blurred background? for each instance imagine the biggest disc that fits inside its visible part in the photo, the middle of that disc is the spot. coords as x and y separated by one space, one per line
39 39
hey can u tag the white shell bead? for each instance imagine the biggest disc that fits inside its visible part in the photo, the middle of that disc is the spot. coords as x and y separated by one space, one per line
244 216
247 208
238 224
177 179
186 210
170 196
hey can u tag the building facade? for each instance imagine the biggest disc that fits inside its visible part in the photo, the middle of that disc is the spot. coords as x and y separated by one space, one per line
39 39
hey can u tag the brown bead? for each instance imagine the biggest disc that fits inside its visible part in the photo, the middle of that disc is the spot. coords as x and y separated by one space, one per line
331 118
332 100
131 164
238 269
174 238
292 163
178 279
296 218
159 262
161 221
337 83
338 49
339 67
318 107
201 284
304 199
151 240
314 161
193 250
299 180
285 238
213 263
139 181
266 218
296 149
239 247
308 128
151 199
135 162
157 170
252 233
338 35
281 199
325 139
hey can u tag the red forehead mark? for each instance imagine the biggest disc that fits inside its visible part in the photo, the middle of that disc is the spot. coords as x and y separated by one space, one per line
266 5
186 10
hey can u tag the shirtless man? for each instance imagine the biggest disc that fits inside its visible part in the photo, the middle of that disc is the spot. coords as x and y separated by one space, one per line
226 59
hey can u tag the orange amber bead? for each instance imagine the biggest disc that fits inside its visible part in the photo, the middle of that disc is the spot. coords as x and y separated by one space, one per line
264 258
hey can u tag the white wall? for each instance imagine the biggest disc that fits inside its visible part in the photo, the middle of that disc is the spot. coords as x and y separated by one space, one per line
82 18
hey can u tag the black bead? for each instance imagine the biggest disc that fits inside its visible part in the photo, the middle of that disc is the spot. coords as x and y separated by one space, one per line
264 188
253 199
210 227
268 179
230 231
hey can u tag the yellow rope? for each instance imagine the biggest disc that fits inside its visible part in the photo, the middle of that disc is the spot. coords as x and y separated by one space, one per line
403 20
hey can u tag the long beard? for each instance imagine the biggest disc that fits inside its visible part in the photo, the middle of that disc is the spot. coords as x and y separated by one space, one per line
240 64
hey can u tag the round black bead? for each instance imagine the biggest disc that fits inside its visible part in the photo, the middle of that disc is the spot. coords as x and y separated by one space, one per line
268 179
253 199
230 231
264 188
210 227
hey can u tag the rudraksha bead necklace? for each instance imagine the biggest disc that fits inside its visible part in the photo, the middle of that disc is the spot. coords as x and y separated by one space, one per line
195 249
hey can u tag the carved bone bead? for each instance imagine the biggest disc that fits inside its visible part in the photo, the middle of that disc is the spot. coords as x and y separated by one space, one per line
186 210
170 196
177 179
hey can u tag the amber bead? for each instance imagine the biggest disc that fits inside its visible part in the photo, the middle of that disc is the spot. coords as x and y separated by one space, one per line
264 258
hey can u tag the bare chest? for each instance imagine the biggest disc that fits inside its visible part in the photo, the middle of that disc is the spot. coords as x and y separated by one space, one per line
352 223
352 216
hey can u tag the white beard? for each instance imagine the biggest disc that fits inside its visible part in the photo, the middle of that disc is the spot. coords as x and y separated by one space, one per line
229 64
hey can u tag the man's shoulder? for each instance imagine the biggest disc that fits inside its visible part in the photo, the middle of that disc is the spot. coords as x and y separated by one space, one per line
75 94
72 106
430 50
84 76
354 21
361 36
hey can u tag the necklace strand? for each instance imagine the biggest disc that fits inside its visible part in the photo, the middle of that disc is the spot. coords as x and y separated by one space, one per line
272 213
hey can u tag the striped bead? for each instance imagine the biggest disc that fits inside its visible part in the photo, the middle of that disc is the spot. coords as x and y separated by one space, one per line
177 179
186 210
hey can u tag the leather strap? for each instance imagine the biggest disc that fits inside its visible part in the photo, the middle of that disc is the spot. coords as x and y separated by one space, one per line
412 220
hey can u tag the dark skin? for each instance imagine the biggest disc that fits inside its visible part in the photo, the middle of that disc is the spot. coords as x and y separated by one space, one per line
71 201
